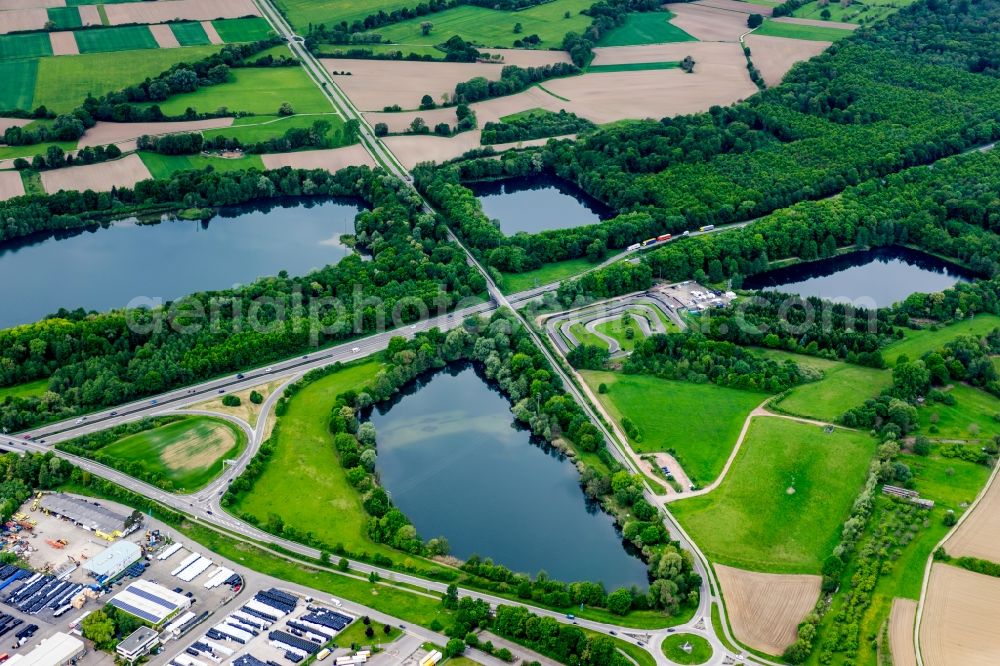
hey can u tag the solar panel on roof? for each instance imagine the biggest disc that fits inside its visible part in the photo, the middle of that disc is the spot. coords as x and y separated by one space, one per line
129 608
132 589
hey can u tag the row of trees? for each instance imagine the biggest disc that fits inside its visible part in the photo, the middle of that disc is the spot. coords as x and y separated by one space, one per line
318 135
56 158
534 126
513 79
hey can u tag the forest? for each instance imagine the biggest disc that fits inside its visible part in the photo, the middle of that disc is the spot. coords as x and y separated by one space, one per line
921 86
107 359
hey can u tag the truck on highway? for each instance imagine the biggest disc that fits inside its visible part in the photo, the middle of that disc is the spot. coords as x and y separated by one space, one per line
648 241
633 248
664 238
707 227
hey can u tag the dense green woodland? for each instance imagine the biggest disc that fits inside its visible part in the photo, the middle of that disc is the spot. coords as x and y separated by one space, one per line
98 360
920 86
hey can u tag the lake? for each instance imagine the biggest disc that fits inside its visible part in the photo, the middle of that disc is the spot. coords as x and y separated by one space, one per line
536 203
879 277
102 268
455 462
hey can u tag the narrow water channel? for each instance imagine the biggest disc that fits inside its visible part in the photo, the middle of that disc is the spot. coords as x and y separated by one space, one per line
455 462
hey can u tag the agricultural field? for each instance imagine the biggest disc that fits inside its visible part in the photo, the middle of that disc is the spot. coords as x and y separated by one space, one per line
242 29
632 67
698 423
189 452
123 172
302 13
781 506
19 83
979 535
162 166
774 56
765 609
260 91
493 28
62 83
190 34
901 623
250 129
646 28
843 387
917 343
25 45
772 28
958 626
303 456
120 38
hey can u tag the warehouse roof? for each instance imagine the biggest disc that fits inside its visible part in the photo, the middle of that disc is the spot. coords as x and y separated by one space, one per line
85 513
149 601
136 641
56 650
112 560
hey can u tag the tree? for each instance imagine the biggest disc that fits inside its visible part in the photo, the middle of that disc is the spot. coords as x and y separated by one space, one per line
99 628
231 400
427 102
285 109
454 647
426 27
369 632
825 14
343 564
386 629
518 28
620 601
381 129
419 126
754 21
368 459
367 434
256 398
596 251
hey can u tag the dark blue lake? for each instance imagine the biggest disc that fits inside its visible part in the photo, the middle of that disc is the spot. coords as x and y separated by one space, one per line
537 203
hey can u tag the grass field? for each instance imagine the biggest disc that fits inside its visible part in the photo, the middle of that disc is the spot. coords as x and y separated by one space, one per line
255 90
646 28
355 633
18 89
242 29
856 12
795 31
918 343
636 653
301 13
260 128
973 416
189 452
632 67
700 422
781 507
25 390
63 82
189 34
843 387
119 38
559 270
29 151
25 45
699 650
304 457
32 181
490 27
65 18
616 331
161 166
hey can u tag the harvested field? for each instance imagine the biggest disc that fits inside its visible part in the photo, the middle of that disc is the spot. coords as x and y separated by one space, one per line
774 56
18 20
529 57
709 24
400 121
104 133
411 150
10 185
89 15
6 123
164 36
64 43
901 621
979 534
170 10
6 5
332 159
958 624
736 6
766 609
125 172
703 53
375 84
213 34
817 23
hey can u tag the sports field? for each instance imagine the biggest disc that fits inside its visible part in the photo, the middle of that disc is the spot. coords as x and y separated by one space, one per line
63 82
189 452
646 28
782 504
843 387
917 343
699 422
162 166
490 27
242 29
259 91
25 45
795 31
120 38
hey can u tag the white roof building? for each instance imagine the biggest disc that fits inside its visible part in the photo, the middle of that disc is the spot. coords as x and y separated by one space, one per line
113 560
150 602
58 649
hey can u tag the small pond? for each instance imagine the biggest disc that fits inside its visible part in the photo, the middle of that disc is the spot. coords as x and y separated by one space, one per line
454 461
101 268
537 203
877 277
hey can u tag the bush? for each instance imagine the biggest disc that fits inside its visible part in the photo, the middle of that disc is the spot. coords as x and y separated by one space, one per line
231 401
256 398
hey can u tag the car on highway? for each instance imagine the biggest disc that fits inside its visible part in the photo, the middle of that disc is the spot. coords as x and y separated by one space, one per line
152 402
239 375
79 421
355 349
269 369
113 414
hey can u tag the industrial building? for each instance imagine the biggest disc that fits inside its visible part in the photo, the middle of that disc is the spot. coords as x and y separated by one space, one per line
137 644
104 522
58 649
150 602
113 560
